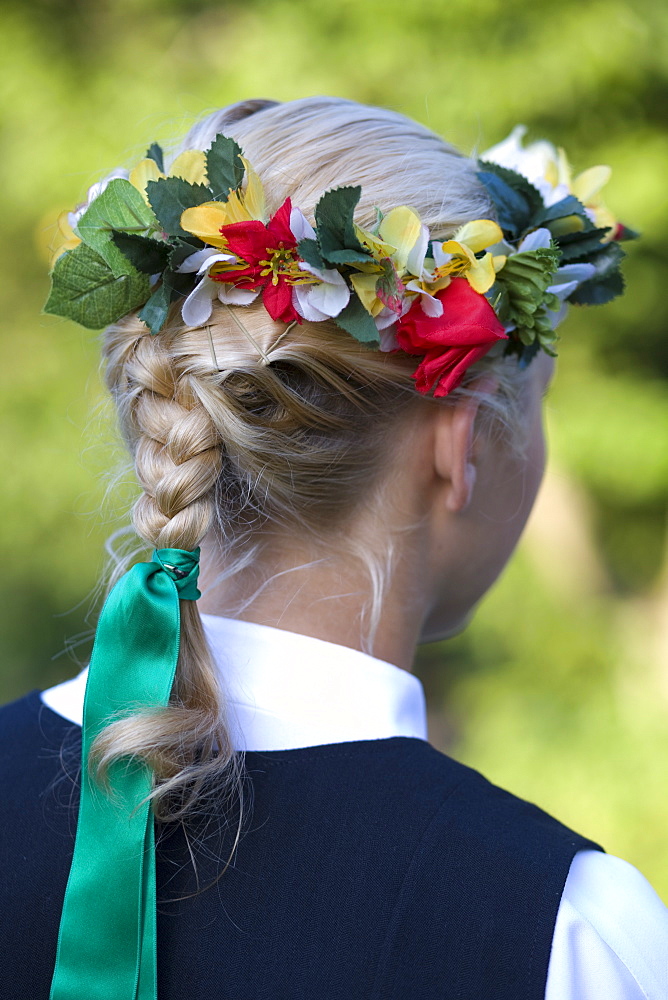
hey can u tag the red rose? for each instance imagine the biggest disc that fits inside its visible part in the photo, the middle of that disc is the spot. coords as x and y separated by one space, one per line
452 342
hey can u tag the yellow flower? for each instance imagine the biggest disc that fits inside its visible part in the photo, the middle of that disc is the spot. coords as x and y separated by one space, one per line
64 239
190 165
205 221
458 255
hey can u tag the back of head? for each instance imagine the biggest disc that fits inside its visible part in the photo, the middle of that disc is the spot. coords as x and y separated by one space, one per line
242 429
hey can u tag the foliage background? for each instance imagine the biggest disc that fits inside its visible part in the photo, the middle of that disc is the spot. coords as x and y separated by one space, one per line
559 689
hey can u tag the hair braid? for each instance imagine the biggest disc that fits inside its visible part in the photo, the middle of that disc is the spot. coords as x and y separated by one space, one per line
177 457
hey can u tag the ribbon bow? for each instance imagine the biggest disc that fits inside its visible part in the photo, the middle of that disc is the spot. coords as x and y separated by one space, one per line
107 938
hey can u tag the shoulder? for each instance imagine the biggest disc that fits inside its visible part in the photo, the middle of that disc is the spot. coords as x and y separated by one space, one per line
611 934
36 745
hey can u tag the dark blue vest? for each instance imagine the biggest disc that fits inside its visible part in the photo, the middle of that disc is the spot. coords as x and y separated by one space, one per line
370 870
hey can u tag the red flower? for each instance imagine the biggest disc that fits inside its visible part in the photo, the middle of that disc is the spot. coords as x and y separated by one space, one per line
452 342
271 261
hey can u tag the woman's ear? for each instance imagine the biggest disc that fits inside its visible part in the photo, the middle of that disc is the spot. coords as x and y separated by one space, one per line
454 444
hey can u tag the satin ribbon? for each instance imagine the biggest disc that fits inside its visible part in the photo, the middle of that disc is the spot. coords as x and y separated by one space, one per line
107 938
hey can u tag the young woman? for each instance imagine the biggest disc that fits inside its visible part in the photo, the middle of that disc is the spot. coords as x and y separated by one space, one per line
328 338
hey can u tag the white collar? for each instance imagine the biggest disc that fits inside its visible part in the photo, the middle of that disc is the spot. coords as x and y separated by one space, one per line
286 690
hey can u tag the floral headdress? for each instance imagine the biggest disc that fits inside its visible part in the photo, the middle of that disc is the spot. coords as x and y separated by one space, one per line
145 240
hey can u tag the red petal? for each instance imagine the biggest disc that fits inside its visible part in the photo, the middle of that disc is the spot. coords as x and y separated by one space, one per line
278 302
468 319
279 226
249 240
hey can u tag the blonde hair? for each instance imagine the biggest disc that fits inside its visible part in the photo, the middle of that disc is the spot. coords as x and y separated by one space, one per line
236 430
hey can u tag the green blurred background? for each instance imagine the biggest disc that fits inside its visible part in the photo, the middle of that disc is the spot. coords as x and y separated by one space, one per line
559 689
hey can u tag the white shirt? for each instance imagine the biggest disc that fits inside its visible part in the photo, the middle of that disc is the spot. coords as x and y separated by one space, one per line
286 690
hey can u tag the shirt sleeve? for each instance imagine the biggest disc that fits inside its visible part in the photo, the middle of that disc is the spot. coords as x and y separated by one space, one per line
611 935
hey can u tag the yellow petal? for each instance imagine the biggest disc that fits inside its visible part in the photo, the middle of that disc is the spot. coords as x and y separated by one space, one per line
481 275
401 227
64 238
588 184
478 235
565 225
191 166
564 172
205 221
145 171
459 250
377 247
253 196
499 261
365 286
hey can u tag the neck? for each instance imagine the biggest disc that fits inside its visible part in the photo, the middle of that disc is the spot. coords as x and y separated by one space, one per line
326 597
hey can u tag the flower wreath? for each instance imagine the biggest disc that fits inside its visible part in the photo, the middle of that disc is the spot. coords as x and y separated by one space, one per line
146 239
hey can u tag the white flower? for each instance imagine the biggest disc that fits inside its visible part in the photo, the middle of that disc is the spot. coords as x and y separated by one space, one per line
198 306
535 162
431 306
568 277
323 299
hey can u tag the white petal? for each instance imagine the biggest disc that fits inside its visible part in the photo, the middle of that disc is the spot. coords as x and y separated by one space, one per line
564 290
539 239
233 296
556 316
440 257
326 298
415 261
385 318
201 260
506 152
300 227
303 306
388 339
575 272
431 306
198 307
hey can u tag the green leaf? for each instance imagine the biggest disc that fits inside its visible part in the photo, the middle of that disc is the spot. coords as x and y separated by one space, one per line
154 152
515 199
147 255
170 197
566 206
355 320
518 182
520 296
581 246
156 309
310 252
224 168
85 289
119 207
172 287
607 283
335 228
182 249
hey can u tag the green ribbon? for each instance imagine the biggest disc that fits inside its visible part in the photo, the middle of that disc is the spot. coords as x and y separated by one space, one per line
107 938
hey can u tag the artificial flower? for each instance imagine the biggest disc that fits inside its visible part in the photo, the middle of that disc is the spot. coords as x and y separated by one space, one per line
466 329
326 297
398 248
267 259
548 169
198 305
206 221
189 165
